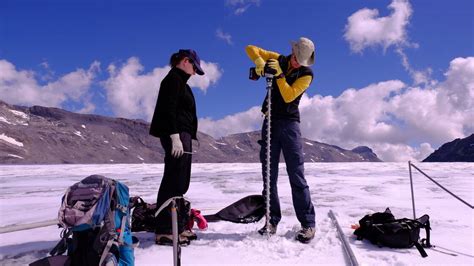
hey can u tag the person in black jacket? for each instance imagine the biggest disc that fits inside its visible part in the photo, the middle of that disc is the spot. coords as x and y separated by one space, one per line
175 123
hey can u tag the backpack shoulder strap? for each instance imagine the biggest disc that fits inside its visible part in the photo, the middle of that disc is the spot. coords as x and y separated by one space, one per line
122 206
62 245
425 222
109 219
421 250
122 228
109 245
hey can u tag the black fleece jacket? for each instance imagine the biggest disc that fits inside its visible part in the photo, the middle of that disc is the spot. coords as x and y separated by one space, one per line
175 109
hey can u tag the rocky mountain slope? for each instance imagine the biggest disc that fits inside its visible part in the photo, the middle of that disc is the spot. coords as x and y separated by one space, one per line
458 150
42 135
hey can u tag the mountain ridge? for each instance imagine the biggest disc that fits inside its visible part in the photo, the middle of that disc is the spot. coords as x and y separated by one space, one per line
458 150
48 135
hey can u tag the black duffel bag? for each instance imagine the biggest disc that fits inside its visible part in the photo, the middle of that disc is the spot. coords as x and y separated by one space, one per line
383 229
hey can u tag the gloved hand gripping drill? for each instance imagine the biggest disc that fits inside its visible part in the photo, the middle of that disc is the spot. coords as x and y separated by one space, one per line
264 69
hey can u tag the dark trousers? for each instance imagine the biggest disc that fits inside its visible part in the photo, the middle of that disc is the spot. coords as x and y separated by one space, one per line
286 137
175 182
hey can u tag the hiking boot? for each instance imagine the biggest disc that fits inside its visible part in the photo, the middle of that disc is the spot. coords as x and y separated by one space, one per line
167 240
270 230
189 234
305 235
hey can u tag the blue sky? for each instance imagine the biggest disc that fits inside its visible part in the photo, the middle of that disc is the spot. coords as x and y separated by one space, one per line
378 65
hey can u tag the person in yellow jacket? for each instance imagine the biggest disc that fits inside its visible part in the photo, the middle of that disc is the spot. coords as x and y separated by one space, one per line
293 76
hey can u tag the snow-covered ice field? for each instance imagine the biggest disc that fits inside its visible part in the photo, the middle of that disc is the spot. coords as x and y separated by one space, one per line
32 194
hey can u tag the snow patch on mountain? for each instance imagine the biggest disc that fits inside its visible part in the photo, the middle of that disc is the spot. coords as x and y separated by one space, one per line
10 140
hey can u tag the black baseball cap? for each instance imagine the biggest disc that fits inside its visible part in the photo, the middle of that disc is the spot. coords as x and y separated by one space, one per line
191 54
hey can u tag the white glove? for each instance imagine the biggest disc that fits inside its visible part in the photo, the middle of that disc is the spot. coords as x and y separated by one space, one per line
176 146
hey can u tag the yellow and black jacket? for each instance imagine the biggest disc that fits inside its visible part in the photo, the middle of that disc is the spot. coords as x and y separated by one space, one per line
288 89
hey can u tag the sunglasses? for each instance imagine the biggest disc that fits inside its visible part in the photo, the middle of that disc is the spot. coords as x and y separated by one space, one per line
192 63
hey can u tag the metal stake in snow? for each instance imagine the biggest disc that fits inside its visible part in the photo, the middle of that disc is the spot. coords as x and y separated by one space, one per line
19 227
267 169
174 224
345 243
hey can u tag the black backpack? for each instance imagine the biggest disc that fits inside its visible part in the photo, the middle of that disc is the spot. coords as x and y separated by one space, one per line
383 229
143 214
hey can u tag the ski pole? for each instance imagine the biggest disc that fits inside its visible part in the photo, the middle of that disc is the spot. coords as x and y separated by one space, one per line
176 247
412 193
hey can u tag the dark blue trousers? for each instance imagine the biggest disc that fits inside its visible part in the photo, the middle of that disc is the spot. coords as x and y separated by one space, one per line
286 137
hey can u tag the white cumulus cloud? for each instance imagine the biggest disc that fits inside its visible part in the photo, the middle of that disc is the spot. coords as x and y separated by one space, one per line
391 117
25 87
237 123
366 28
212 75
